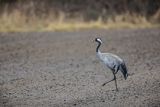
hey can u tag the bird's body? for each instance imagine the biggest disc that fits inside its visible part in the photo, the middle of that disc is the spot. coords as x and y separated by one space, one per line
112 61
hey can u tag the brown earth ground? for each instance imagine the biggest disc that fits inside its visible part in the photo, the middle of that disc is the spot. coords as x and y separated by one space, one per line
60 69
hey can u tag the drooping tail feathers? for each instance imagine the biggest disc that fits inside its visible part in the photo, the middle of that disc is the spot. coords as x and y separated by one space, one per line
124 70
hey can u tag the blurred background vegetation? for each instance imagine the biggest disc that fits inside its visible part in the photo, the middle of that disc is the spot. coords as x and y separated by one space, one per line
53 15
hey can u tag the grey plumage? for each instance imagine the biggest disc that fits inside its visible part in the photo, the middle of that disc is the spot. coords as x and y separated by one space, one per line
113 62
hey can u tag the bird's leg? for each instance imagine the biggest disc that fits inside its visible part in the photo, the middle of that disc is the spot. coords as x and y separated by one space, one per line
107 82
115 81
114 78
115 72
110 80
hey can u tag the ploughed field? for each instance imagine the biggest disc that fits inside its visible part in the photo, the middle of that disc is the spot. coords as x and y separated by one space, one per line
60 69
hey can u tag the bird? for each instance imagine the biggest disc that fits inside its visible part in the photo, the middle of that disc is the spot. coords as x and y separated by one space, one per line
112 61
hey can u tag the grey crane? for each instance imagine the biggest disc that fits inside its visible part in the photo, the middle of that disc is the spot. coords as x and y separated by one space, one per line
113 62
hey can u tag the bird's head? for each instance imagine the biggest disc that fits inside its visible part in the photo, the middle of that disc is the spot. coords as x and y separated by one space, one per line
98 40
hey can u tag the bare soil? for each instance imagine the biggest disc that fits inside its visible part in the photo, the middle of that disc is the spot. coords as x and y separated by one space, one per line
60 69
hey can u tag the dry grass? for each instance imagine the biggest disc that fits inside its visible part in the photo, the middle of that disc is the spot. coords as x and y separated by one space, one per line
18 22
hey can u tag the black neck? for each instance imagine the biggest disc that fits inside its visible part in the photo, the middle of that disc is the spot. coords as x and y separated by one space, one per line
97 49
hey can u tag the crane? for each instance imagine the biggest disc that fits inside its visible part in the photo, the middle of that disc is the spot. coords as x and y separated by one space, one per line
113 62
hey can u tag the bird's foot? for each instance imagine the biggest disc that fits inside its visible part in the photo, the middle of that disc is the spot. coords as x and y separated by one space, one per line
103 84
